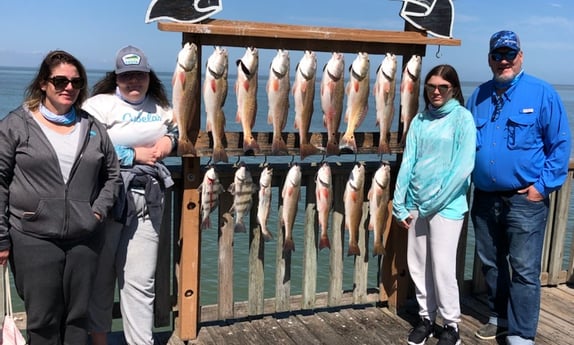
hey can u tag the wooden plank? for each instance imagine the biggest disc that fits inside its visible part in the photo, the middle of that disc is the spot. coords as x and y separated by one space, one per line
362 260
560 222
322 330
189 268
297 331
225 258
256 263
270 332
309 247
337 236
283 270
299 37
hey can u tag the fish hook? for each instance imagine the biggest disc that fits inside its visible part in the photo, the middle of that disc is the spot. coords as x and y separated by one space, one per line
237 162
264 163
292 160
438 53
208 164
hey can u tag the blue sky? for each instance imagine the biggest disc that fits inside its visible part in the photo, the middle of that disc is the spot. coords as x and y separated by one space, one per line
93 31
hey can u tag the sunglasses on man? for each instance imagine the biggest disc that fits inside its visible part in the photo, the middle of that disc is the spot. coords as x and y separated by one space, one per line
508 56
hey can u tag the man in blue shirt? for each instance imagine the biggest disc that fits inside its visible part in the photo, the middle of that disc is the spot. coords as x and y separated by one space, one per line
522 155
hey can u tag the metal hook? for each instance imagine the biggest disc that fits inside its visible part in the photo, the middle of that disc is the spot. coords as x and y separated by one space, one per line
438 53
264 163
292 160
237 162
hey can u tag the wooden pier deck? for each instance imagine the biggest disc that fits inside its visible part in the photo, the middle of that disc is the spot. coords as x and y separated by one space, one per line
370 324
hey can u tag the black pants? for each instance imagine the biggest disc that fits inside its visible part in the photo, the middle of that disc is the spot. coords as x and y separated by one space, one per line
54 278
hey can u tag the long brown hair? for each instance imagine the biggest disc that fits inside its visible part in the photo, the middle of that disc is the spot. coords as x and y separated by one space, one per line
156 89
34 95
448 73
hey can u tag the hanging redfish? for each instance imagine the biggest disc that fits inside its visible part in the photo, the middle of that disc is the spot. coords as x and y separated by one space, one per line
410 89
214 95
290 195
353 201
357 91
304 95
246 93
278 87
332 94
379 196
384 91
210 188
185 87
324 200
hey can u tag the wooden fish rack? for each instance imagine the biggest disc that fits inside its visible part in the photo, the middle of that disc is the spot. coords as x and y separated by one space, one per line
273 36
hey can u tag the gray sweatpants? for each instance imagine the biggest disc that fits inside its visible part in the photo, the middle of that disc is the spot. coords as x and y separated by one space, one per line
431 257
135 265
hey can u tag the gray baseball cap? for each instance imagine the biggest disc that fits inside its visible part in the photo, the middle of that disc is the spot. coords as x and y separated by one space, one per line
131 59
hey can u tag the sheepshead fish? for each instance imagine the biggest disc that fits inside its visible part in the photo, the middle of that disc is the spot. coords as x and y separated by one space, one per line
214 95
246 92
264 206
357 91
290 195
384 91
303 95
379 196
210 188
278 87
324 199
242 188
353 203
410 88
184 95
332 94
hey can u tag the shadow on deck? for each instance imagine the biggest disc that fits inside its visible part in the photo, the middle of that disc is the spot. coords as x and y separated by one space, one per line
369 324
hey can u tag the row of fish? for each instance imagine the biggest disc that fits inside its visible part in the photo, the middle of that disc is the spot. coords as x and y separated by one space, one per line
242 188
332 92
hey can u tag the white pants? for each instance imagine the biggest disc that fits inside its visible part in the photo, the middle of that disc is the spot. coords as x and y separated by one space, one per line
136 264
431 257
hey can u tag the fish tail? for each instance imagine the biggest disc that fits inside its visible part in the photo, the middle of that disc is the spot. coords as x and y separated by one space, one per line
348 142
308 150
185 147
288 246
378 249
206 223
324 242
219 155
267 236
239 227
278 146
353 250
384 147
250 144
333 148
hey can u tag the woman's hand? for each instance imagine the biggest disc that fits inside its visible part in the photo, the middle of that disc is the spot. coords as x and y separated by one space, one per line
4 254
405 223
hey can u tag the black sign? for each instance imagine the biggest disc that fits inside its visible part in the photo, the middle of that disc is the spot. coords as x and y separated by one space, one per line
433 16
185 11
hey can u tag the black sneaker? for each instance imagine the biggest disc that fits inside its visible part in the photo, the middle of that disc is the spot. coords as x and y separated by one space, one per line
449 336
420 334
490 331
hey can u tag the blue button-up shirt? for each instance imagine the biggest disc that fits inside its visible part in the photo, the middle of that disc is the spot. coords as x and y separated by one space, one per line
526 143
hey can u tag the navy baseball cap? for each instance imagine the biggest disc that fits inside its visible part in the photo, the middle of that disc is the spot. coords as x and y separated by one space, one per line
505 39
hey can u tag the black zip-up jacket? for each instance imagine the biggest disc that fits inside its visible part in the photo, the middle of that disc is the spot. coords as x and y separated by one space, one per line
33 195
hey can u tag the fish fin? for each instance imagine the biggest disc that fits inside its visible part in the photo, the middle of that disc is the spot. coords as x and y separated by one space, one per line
185 147
278 146
231 188
353 250
246 85
270 118
213 85
288 245
379 249
238 117
384 146
274 85
206 224
333 149
296 123
348 142
219 155
267 236
239 227
307 150
324 243
371 227
356 86
208 126
250 144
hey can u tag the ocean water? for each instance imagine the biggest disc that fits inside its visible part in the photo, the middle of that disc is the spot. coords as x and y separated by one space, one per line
14 80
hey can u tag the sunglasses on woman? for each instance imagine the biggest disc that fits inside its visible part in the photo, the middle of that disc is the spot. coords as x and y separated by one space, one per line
442 88
60 82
